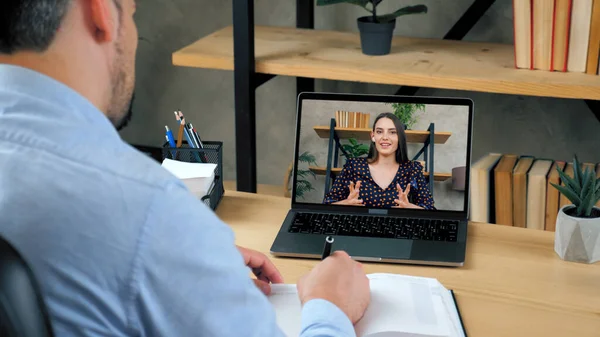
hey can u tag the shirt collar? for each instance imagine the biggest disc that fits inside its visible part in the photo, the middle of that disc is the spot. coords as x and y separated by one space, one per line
29 82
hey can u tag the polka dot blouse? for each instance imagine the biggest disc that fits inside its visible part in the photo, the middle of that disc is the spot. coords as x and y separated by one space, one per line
371 194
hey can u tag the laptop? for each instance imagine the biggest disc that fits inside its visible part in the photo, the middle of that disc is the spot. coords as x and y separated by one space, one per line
334 148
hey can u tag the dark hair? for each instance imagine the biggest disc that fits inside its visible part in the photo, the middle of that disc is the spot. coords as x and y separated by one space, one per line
401 151
31 25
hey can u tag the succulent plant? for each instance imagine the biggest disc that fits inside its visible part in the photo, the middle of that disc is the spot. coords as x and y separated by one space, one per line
583 190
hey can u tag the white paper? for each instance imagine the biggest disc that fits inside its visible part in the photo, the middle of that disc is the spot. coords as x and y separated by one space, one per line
400 306
198 177
288 309
185 170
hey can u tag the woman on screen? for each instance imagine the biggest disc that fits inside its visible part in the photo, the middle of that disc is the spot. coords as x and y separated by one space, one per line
386 178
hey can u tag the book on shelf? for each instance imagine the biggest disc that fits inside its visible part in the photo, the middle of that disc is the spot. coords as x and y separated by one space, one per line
542 22
580 35
400 305
594 47
503 178
557 35
563 201
536 193
520 192
352 119
560 34
482 189
552 195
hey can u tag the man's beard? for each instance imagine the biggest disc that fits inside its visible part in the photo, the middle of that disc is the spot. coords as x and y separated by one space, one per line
120 110
122 123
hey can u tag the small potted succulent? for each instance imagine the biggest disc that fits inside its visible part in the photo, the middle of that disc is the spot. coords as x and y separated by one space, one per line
376 31
577 234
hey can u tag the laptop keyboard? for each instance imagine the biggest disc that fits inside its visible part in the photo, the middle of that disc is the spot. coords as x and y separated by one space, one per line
375 226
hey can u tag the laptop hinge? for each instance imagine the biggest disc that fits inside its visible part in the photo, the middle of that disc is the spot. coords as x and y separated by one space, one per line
378 211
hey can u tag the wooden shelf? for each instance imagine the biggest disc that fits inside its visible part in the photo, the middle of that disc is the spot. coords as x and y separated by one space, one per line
336 170
412 136
433 63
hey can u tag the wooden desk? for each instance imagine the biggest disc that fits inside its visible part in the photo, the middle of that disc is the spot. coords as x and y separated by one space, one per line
512 284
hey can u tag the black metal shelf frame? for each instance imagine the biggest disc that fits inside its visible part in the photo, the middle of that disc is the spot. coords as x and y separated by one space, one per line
247 80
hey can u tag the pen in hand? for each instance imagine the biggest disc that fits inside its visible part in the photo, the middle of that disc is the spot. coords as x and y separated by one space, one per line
327 247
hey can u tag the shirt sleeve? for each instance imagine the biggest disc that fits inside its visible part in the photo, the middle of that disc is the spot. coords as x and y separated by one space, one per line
422 196
317 318
340 189
189 279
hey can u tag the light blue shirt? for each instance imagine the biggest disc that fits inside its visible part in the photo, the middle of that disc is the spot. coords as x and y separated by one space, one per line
118 244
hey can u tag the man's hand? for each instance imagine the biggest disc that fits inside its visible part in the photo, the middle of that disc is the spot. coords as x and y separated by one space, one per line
339 280
264 270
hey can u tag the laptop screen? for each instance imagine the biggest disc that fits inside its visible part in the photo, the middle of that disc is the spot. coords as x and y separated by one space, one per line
379 151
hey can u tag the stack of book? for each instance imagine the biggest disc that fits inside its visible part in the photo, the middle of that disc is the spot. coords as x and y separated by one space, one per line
512 190
557 35
349 119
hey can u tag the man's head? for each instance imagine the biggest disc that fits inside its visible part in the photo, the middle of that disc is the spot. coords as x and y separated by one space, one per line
89 45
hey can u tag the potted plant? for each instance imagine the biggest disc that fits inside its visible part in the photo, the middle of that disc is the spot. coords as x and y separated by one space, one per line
577 234
302 184
406 112
376 31
355 149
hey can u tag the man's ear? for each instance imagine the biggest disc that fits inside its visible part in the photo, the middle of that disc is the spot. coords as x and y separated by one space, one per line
103 20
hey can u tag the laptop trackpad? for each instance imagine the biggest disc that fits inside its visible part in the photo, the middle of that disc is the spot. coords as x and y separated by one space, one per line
373 248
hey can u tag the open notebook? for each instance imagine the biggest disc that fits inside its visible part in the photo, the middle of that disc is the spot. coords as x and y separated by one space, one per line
400 306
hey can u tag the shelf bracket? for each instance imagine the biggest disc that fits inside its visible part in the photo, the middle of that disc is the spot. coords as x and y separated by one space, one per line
261 79
460 29
305 18
594 107
329 155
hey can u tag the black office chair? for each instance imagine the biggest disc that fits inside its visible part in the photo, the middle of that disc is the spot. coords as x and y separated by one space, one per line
23 312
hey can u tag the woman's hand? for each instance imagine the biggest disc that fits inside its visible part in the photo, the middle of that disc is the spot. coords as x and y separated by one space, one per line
402 201
353 197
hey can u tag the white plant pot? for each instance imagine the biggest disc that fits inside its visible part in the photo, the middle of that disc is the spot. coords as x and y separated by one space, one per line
577 239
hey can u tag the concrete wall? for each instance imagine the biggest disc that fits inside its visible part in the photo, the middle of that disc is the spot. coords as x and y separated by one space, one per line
546 127
453 153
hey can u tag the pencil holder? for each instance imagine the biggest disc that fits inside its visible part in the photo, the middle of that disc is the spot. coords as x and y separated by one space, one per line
212 152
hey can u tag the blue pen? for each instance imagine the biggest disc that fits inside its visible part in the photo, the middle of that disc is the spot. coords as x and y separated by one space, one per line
171 140
189 140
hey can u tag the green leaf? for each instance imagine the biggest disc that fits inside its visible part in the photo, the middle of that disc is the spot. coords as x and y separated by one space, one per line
361 3
417 9
306 157
353 141
590 204
568 181
569 194
582 209
585 186
576 170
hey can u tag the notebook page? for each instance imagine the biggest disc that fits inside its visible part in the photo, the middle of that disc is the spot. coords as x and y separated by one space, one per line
403 304
451 314
288 309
